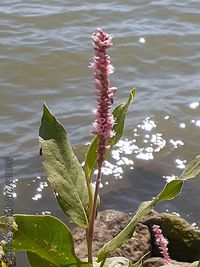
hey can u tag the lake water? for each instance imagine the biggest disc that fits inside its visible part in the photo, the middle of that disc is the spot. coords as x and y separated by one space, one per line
45 50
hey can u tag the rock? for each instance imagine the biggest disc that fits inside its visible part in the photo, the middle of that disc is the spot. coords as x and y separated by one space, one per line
184 240
108 224
153 262
157 262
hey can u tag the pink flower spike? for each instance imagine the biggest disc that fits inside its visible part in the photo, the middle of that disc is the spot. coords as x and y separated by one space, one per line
162 243
103 125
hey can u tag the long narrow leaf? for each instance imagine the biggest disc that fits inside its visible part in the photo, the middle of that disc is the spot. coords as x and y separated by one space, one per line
191 170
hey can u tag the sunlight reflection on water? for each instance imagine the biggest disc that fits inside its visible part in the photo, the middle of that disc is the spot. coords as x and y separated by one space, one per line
147 141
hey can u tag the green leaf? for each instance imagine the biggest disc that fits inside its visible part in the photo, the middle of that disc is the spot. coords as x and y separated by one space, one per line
127 232
35 261
46 236
120 114
191 170
63 170
170 191
114 262
91 158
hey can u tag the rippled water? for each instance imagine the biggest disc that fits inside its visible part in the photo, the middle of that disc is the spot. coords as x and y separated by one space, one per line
45 50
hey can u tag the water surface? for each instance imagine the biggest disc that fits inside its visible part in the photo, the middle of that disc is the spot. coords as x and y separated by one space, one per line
45 50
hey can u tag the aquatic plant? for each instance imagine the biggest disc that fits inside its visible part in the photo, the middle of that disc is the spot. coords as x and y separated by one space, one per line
47 240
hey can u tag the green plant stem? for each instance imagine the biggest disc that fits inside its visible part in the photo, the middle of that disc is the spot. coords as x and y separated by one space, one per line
91 198
90 232
102 263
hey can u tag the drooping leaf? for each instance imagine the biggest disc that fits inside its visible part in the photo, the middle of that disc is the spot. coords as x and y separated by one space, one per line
191 170
63 170
120 114
47 237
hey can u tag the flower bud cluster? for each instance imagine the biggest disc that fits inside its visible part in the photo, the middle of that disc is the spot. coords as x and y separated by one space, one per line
162 243
102 68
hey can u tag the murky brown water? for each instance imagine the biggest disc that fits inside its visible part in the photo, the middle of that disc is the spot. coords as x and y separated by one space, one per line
45 50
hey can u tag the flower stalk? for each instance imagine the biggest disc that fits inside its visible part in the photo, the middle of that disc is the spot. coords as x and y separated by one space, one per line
103 125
